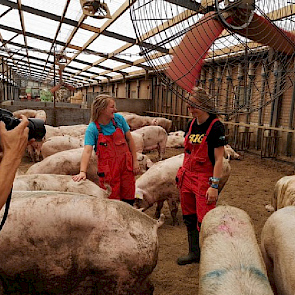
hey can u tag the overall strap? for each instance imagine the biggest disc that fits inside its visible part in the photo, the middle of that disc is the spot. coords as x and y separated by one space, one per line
99 128
210 126
114 123
191 126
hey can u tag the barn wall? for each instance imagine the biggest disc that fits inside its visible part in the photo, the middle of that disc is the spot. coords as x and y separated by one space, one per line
72 114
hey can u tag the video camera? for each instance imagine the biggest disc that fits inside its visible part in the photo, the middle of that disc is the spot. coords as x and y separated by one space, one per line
36 126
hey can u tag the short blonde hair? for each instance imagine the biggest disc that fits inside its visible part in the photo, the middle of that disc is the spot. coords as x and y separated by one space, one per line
99 104
207 102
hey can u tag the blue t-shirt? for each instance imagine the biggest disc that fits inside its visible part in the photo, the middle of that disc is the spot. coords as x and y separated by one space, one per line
91 134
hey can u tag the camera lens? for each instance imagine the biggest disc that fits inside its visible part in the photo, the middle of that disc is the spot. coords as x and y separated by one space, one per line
36 129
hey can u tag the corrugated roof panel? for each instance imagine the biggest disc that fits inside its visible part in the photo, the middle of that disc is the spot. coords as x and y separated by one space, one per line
41 55
6 35
3 8
81 37
71 70
111 74
43 21
96 70
123 25
94 22
77 65
52 6
12 49
11 19
40 25
131 69
111 63
38 44
74 10
88 57
87 74
65 32
105 44
5 54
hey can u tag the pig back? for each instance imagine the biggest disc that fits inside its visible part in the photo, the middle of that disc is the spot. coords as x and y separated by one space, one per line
231 260
57 144
56 182
65 163
55 240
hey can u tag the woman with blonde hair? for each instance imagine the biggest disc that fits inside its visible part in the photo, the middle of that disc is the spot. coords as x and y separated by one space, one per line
199 176
109 134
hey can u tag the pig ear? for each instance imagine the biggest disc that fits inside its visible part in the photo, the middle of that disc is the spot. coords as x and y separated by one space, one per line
138 195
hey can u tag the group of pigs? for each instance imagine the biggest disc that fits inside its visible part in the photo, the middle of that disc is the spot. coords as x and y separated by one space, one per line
60 233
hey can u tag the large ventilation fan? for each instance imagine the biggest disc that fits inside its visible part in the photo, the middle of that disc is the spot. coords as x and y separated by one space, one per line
240 51
60 61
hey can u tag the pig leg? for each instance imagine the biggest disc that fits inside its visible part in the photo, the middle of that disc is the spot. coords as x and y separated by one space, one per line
173 207
30 151
158 209
269 266
38 156
161 150
160 157
37 150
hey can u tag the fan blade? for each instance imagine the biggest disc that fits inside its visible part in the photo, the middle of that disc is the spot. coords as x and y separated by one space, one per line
188 58
55 88
265 32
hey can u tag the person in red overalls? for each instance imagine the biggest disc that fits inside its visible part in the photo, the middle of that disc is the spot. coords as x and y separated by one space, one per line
199 176
111 138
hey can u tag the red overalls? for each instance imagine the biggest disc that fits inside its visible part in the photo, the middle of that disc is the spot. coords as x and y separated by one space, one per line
114 164
193 176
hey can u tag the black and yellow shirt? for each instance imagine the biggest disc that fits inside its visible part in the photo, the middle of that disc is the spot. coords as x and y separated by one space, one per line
216 137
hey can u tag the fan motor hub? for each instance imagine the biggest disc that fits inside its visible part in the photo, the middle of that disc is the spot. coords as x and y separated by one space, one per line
95 8
244 4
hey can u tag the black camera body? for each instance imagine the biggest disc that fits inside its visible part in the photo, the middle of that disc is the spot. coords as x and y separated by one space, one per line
36 126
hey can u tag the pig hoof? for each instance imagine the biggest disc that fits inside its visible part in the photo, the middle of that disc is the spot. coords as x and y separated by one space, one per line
161 220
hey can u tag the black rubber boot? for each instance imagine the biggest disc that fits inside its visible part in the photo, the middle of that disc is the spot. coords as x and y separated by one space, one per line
193 241
194 249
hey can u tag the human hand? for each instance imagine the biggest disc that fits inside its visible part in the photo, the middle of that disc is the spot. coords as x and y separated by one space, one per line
80 176
136 168
14 142
211 195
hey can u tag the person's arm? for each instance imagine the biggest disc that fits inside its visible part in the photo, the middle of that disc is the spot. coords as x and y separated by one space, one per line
13 144
212 193
87 151
132 148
